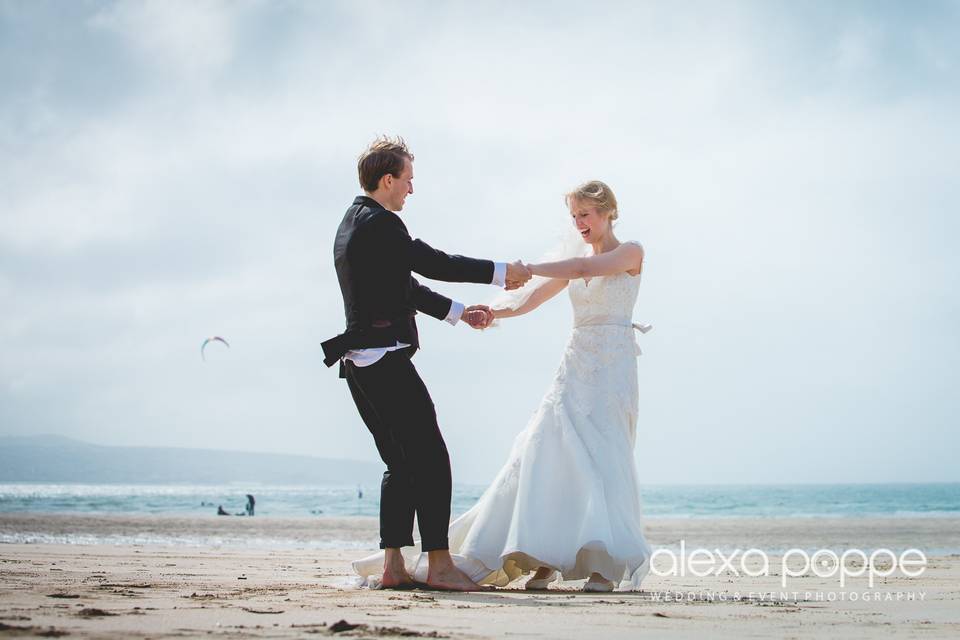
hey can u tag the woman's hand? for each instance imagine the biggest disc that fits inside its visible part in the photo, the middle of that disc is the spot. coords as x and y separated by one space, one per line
478 316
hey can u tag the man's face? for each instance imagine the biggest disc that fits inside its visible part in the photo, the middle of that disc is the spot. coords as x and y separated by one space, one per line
398 188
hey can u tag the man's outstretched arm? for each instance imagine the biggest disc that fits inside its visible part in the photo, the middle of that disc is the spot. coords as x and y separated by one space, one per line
443 308
432 303
423 259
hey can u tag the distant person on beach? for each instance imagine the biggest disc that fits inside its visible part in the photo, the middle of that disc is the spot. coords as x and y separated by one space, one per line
221 511
250 503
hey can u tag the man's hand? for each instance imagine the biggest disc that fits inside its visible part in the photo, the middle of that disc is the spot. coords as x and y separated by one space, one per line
518 274
478 316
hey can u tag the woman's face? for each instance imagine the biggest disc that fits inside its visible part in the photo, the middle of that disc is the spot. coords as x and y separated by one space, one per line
592 224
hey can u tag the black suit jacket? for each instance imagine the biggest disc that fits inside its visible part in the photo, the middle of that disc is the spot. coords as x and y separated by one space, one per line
374 257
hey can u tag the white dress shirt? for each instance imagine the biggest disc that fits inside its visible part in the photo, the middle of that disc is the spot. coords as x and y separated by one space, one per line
366 357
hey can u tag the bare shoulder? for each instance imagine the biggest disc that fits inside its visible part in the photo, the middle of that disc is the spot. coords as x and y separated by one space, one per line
634 250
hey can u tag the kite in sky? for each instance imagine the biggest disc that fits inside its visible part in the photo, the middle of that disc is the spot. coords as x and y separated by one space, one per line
208 341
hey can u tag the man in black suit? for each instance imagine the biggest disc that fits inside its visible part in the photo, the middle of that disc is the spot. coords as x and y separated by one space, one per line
374 257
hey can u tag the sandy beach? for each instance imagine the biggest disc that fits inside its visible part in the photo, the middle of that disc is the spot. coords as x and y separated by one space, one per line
273 578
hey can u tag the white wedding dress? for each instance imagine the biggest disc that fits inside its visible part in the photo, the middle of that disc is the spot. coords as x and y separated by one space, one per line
567 498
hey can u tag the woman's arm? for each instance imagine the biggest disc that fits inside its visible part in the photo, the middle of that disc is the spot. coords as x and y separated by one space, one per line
627 257
540 295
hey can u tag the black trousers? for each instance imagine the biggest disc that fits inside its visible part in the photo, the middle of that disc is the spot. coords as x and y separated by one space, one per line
397 409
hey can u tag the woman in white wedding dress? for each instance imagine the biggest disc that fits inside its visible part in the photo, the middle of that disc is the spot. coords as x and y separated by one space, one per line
566 503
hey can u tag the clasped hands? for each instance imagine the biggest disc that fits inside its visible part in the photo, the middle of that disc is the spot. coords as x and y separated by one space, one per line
518 274
480 316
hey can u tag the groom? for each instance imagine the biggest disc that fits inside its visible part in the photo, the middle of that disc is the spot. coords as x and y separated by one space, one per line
374 257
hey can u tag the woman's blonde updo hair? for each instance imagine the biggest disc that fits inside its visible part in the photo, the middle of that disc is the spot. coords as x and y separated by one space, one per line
597 194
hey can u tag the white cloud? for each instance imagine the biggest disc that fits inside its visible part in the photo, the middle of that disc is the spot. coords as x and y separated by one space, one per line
856 50
180 37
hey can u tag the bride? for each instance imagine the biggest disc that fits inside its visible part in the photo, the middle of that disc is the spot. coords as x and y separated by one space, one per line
566 503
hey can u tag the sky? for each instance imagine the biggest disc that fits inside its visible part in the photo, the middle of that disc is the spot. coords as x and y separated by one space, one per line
174 170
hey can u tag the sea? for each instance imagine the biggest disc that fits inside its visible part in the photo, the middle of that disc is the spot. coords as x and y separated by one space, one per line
673 501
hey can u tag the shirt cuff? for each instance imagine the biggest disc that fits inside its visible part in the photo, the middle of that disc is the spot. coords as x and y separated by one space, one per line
456 310
499 274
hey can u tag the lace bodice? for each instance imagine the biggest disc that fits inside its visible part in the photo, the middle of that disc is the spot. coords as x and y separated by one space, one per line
604 300
603 319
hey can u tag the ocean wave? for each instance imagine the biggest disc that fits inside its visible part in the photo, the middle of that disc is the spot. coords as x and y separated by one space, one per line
783 501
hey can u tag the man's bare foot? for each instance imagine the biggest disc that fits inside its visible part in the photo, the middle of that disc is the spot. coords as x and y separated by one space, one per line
397 580
395 574
443 573
452 579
